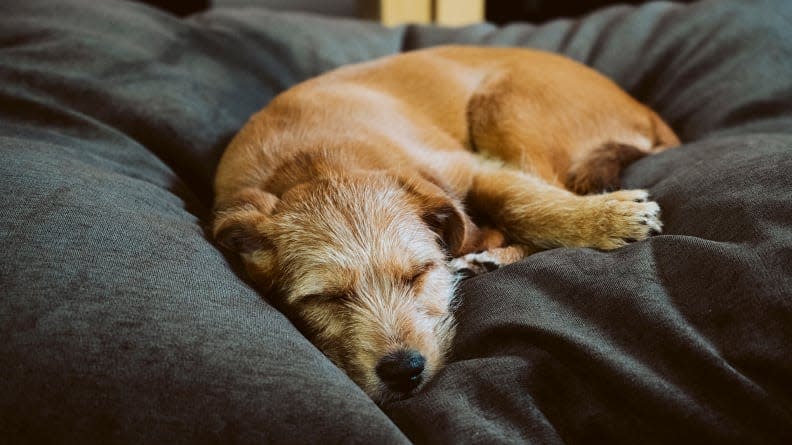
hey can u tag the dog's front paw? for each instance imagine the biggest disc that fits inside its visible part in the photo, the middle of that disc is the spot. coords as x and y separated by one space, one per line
473 264
623 217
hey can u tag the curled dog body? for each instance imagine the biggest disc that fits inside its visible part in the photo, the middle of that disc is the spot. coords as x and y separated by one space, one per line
355 198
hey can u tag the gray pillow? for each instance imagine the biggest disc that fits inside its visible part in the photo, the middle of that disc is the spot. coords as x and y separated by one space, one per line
121 322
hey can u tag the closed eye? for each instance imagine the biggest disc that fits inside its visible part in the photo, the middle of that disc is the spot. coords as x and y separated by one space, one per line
324 297
417 274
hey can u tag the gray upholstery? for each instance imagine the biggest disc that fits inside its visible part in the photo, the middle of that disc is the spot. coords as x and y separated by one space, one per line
120 321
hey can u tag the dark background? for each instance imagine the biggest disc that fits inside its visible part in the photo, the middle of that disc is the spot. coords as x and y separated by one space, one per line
497 11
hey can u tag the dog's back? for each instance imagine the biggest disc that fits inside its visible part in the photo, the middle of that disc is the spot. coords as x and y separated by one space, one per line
411 109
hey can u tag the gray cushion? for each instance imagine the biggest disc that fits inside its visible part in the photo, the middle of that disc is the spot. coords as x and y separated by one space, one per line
121 322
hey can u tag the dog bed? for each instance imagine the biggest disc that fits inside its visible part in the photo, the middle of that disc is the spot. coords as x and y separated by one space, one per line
121 322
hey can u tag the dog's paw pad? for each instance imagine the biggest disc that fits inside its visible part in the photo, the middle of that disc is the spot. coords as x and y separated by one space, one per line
474 264
464 273
490 266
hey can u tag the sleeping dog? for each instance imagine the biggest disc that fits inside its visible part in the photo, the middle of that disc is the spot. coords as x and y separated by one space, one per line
357 197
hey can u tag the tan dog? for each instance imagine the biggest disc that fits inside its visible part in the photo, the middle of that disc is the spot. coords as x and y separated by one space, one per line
348 194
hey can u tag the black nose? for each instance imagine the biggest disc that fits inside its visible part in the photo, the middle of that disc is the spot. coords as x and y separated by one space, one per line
401 370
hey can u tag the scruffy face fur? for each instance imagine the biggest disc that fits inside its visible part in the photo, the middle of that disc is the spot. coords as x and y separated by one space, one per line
357 267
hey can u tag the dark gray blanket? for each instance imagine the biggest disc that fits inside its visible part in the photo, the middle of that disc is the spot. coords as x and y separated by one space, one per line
120 322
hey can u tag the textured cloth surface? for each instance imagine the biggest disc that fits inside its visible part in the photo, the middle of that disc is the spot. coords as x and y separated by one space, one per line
121 322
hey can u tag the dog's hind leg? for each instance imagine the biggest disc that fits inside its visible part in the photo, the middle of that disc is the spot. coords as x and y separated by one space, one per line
505 126
577 139
540 134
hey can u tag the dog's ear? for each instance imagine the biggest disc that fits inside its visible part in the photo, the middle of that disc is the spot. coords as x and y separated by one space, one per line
240 221
441 212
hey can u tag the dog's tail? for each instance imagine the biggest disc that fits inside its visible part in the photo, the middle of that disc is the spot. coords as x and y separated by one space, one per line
601 169
664 136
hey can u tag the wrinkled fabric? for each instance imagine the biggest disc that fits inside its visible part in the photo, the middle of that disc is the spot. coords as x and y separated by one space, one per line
120 321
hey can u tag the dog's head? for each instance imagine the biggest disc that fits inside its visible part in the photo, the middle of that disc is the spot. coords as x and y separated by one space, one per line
360 265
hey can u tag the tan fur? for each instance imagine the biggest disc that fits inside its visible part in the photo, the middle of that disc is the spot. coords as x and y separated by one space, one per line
347 194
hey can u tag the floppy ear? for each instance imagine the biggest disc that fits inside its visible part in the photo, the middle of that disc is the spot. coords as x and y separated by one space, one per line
239 221
441 212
